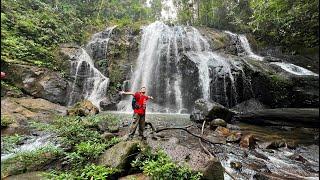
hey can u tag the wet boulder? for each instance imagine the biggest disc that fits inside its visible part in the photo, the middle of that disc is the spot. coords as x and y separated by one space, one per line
120 155
83 108
223 131
273 144
249 106
205 110
217 122
213 170
194 158
236 165
216 139
234 137
248 141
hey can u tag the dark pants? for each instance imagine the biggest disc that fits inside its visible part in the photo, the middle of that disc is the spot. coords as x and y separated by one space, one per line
137 119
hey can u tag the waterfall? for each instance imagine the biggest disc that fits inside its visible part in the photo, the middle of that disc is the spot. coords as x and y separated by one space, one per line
89 83
294 69
177 66
245 45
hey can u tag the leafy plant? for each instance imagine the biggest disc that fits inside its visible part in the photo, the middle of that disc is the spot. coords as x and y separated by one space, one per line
9 142
6 121
160 166
91 171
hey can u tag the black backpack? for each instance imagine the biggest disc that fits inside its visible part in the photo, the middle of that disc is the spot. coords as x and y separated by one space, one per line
134 104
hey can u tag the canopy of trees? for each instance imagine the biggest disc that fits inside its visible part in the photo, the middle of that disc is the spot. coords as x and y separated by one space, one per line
31 30
281 22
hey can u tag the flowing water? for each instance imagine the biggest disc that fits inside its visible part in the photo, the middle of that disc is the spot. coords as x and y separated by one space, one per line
89 83
244 43
283 163
175 63
32 143
294 69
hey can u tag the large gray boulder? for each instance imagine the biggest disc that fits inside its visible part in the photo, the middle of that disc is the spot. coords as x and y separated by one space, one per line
205 110
120 155
39 82
193 158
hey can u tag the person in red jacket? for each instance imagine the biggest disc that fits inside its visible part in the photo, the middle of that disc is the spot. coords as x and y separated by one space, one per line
139 111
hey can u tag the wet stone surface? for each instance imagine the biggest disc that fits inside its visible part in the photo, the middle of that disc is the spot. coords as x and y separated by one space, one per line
283 162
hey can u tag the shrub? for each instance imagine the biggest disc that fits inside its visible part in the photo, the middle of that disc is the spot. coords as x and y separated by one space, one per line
9 142
6 121
90 171
160 166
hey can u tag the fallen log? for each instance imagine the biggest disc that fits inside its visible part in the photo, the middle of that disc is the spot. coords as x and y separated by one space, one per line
294 117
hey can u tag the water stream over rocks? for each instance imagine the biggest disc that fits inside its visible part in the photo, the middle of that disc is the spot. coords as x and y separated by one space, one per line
89 83
31 143
299 162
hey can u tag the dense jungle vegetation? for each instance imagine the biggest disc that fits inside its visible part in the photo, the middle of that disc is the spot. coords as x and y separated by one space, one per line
31 30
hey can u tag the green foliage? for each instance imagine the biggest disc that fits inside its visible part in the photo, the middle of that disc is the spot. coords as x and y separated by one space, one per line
29 160
84 152
290 23
70 130
160 166
6 121
79 135
31 30
15 91
89 171
94 120
8 143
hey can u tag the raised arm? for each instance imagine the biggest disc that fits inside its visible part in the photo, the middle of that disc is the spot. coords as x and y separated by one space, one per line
127 93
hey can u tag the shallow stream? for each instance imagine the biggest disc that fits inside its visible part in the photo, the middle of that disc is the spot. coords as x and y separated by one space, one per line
298 162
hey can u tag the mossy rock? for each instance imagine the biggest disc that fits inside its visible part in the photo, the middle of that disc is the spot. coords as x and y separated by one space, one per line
120 155
29 161
83 108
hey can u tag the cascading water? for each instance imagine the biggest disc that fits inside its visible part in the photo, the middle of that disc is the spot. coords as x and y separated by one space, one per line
89 83
176 62
294 69
289 67
245 45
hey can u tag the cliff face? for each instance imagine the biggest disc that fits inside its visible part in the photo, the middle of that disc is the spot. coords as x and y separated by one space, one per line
230 76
